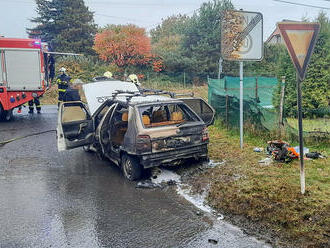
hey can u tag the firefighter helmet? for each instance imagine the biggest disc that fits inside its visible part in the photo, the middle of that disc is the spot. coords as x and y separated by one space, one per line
133 78
62 69
108 74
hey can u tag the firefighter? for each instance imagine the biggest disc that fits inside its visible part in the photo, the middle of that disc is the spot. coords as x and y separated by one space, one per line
62 84
37 103
72 92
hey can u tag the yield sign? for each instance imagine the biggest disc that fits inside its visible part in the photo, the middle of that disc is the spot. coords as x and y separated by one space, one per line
300 39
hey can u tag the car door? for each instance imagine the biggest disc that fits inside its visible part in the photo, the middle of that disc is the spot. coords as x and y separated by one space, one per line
103 131
201 108
75 126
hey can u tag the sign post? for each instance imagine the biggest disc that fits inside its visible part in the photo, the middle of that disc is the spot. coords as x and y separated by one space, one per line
241 40
241 103
300 39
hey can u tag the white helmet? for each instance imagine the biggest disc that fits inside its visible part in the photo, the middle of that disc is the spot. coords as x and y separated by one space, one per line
62 69
108 74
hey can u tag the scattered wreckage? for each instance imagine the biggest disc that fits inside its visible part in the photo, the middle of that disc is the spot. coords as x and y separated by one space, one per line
135 128
281 151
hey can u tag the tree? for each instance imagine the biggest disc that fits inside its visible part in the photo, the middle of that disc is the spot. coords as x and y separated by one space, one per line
67 25
167 40
123 45
203 36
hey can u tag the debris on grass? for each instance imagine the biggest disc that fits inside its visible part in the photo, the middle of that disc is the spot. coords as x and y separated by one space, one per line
258 149
266 161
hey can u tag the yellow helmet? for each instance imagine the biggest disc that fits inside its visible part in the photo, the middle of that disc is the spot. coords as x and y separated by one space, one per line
133 78
108 74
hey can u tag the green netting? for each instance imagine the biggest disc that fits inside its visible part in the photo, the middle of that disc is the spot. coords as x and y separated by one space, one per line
257 88
258 111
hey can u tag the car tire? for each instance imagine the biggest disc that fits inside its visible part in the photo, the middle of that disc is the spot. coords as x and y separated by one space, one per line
132 170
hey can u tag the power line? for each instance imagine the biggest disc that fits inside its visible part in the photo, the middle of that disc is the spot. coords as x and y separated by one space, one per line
301 4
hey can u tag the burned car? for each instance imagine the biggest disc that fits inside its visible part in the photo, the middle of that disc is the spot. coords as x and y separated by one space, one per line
136 129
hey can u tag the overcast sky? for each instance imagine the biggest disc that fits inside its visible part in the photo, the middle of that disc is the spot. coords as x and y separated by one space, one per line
15 14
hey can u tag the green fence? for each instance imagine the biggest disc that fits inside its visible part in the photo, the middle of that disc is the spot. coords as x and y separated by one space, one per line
258 111
259 89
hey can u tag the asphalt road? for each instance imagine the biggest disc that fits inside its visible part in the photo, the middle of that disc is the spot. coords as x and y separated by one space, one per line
72 199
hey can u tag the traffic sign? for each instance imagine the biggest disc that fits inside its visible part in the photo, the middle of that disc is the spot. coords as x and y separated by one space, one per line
300 39
241 35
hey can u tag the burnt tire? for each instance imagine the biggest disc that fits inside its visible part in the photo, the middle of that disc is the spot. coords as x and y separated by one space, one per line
131 167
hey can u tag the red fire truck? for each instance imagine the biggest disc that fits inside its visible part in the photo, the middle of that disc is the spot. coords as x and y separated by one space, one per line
24 72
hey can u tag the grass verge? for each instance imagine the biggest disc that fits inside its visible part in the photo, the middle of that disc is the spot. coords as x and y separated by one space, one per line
309 125
269 196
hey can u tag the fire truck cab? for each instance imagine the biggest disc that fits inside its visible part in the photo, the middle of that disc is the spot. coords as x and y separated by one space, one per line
24 72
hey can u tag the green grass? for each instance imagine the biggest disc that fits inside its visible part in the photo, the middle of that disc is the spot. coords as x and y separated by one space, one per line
320 124
270 195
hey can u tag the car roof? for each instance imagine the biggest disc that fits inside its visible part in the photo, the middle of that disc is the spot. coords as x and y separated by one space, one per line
145 99
98 92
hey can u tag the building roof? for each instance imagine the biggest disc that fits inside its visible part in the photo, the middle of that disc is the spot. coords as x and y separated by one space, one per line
277 31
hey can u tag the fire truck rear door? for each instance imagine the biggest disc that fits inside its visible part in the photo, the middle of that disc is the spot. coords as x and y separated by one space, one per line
22 69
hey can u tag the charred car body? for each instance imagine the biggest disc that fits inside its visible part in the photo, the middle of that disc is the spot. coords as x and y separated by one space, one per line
136 129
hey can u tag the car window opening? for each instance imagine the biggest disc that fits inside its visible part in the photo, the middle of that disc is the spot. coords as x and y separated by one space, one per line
165 115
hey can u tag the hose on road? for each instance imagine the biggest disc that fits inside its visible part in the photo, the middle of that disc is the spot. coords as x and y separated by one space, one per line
2 143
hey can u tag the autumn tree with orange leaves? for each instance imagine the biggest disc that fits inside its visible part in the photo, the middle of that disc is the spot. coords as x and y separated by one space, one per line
124 45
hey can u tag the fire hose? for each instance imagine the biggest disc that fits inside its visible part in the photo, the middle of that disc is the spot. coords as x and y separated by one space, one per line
2 143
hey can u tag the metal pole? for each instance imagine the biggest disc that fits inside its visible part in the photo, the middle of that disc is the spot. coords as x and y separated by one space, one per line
241 102
220 67
184 79
282 102
301 141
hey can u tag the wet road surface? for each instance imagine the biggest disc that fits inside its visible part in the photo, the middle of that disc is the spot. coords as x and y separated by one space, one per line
73 199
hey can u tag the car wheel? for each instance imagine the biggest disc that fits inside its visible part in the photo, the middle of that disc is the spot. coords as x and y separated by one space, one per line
131 168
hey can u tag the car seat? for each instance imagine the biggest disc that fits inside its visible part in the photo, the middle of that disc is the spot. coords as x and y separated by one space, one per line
159 116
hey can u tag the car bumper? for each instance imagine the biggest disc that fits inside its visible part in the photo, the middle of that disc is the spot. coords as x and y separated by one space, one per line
156 159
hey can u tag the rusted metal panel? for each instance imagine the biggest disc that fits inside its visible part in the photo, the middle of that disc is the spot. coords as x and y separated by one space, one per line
241 35
300 39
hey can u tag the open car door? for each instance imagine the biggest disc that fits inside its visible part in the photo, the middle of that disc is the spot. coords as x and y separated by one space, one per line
75 126
201 108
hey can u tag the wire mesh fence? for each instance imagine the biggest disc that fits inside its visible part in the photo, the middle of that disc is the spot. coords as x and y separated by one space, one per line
258 111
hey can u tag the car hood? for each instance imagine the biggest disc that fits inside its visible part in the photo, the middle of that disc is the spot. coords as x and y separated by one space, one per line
98 92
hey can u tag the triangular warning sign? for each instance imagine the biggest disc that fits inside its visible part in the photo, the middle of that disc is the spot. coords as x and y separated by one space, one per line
300 39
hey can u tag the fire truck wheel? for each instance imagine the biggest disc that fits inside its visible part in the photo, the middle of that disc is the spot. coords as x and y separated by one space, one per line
2 113
8 115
